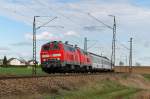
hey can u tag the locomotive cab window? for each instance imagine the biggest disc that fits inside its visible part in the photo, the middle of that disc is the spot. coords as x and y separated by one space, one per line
51 46
69 48
55 46
46 47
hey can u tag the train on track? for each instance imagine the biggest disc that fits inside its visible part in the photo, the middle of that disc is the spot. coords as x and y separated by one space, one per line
59 57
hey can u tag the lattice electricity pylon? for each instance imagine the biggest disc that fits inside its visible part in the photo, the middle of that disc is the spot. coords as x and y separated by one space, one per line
113 55
34 47
34 39
130 56
114 37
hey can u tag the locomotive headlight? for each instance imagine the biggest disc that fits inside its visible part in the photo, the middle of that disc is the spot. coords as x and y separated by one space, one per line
56 55
45 56
44 60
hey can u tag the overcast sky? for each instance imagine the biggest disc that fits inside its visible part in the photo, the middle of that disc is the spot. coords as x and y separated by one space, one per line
132 18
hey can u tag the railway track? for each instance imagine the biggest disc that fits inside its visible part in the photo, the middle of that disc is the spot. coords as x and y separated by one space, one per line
52 75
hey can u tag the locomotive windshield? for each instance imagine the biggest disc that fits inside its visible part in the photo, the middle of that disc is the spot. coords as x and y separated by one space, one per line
51 46
55 46
46 47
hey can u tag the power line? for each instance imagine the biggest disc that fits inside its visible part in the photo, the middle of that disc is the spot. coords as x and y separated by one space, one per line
92 45
113 40
68 18
86 44
121 44
15 12
46 23
99 21
29 7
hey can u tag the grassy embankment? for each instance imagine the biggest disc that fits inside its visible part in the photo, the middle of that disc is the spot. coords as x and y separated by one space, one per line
103 89
147 76
19 71
106 89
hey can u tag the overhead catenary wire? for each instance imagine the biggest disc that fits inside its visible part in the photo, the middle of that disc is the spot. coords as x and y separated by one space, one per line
16 12
59 13
68 18
99 21
92 45
30 8
46 23
124 46
113 55
19 13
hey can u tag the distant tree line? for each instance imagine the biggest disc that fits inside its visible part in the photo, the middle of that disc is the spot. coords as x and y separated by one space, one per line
121 63
5 61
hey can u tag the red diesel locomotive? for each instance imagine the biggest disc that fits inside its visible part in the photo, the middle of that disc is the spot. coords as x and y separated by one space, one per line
63 57
59 57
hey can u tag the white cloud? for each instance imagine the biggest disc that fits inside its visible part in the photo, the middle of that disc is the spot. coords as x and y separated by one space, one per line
50 36
22 44
71 33
43 36
2 48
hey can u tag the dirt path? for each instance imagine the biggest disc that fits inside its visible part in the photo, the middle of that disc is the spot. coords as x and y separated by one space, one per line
44 85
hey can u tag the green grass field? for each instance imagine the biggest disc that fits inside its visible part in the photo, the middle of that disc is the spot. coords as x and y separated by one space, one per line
19 71
147 76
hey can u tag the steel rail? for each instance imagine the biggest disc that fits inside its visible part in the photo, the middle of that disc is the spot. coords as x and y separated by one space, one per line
54 75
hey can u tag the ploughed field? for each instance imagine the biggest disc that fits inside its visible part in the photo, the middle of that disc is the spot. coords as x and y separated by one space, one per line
103 86
134 69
